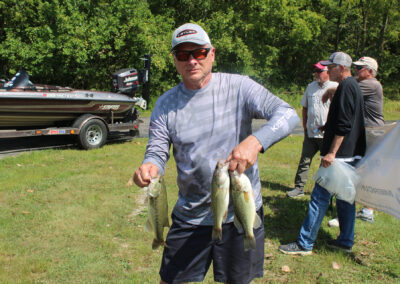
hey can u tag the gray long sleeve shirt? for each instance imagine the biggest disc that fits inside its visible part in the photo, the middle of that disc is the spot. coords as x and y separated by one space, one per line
204 126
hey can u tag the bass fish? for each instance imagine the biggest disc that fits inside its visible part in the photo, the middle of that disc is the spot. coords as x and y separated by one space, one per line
157 205
220 197
244 206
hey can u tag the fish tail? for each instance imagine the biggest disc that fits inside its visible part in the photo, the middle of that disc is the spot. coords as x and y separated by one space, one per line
156 243
249 243
217 233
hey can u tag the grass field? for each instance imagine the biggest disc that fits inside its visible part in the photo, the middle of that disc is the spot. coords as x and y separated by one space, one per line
67 216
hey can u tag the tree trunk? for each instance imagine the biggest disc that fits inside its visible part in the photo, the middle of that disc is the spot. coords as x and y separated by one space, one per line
364 26
338 26
381 40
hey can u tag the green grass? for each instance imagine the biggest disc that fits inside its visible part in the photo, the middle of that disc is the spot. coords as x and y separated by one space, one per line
391 109
67 216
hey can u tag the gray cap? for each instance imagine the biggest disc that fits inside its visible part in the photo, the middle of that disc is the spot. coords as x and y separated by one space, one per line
190 33
339 58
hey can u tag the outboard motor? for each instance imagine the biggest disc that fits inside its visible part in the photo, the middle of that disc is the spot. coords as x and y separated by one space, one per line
126 81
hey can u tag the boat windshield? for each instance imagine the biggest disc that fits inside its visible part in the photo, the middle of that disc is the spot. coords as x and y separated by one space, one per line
20 80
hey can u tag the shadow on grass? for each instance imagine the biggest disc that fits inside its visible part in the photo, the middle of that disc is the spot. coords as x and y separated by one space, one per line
275 186
285 217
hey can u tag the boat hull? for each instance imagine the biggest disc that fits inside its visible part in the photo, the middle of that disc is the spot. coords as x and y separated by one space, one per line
22 110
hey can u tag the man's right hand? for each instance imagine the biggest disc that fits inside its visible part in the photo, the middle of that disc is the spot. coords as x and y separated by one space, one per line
144 173
328 95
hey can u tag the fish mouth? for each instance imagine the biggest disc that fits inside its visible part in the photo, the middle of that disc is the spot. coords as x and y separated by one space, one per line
235 176
222 164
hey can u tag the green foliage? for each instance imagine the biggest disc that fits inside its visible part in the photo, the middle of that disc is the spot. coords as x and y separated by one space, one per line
81 43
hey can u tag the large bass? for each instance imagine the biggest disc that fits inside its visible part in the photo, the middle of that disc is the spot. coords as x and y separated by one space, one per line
246 217
220 197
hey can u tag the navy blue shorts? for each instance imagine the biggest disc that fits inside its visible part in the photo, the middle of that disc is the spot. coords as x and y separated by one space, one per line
190 251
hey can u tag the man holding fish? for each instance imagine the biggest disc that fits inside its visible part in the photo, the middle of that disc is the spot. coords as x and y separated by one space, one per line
207 119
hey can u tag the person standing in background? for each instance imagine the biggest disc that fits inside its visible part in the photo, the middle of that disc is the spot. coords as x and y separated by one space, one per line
314 116
366 70
344 139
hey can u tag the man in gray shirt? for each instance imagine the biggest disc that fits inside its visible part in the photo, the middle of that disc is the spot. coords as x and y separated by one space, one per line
205 118
366 69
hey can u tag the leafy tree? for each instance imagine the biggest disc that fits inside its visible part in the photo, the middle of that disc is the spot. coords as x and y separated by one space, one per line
81 43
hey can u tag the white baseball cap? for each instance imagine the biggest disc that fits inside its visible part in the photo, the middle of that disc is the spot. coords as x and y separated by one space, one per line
190 33
367 61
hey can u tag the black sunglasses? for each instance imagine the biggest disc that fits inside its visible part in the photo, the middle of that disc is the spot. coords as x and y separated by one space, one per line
316 70
359 67
199 54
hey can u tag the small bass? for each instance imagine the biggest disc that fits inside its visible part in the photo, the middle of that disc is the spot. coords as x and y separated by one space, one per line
157 204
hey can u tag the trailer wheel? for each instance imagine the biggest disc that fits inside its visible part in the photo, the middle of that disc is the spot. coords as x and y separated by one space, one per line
93 134
134 133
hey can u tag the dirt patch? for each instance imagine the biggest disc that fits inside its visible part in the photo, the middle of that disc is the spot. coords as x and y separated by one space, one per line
140 203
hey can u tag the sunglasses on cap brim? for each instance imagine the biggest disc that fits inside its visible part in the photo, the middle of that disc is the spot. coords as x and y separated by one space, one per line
184 55
360 67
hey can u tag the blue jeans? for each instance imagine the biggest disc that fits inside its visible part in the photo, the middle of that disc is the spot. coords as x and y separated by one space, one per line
319 202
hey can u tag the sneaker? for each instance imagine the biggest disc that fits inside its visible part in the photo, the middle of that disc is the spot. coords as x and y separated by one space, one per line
294 248
335 245
334 222
365 217
295 193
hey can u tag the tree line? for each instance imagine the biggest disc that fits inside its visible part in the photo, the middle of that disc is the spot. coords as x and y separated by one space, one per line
80 43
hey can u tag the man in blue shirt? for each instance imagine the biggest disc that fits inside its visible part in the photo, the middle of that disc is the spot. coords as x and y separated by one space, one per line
205 118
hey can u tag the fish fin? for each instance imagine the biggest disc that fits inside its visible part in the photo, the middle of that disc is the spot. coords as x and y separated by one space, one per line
148 227
246 196
237 223
225 215
156 243
217 233
249 243
166 223
257 222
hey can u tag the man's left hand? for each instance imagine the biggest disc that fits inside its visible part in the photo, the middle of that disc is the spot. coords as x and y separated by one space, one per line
328 160
245 154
